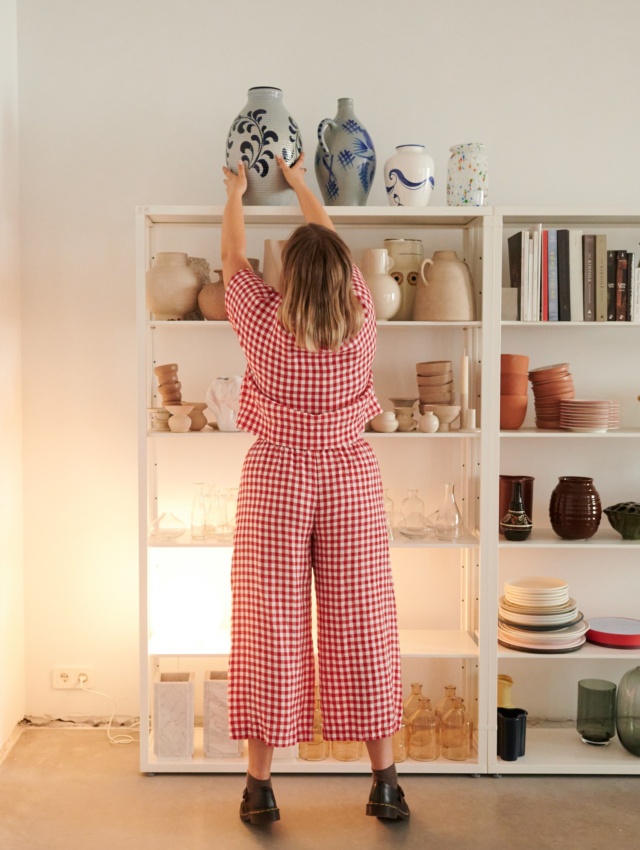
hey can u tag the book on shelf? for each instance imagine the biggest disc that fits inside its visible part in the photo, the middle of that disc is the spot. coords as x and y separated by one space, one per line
621 285
631 261
601 278
544 277
611 286
536 251
575 276
564 296
635 296
516 269
552 273
589 276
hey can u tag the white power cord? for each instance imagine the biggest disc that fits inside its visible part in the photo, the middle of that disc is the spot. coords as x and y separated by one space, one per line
113 739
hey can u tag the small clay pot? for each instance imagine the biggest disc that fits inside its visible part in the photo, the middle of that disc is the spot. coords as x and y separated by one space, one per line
513 409
514 363
514 383
574 509
433 367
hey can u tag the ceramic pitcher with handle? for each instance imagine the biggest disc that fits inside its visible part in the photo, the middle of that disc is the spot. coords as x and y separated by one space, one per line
445 292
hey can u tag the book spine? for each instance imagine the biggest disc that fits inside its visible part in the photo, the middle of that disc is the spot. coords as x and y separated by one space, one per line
575 275
544 277
514 246
611 286
621 286
601 278
564 295
631 262
553 275
589 276
635 315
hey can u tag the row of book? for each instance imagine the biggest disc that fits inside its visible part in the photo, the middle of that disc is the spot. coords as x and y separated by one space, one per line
570 276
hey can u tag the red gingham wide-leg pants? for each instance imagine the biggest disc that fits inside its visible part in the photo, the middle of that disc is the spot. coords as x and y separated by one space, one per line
298 512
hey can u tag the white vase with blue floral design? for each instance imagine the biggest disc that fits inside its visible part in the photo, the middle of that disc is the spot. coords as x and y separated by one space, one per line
263 130
345 158
409 176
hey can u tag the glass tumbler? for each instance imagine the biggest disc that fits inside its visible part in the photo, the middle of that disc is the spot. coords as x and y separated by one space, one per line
596 722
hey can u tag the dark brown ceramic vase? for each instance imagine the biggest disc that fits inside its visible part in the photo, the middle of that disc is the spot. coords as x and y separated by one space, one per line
575 509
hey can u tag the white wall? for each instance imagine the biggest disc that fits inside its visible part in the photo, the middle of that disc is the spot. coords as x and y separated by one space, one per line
11 570
126 102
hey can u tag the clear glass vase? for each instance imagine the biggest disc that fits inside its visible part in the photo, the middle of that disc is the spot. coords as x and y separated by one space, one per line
414 521
317 749
628 711
198 512
448 521
400 742
347 750
423 740
411 703
456 732
388 512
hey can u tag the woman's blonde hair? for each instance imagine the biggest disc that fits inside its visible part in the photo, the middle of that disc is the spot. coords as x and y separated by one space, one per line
319 306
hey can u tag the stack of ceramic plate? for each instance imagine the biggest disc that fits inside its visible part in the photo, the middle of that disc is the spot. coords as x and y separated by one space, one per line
587 415
550 385
536 614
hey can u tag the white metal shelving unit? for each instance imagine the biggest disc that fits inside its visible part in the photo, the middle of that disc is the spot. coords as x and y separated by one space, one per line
602 571
439 585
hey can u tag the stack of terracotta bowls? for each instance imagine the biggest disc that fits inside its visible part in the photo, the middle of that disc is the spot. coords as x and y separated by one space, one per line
550 384
514 388
168 383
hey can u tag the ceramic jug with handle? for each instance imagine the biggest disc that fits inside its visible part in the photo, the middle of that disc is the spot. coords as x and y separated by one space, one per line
384 289
445 292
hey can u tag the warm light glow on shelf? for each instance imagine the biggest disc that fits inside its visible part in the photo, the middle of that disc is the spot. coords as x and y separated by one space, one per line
190 598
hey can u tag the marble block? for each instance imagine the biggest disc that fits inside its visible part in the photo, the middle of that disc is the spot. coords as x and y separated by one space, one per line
173 715
215 717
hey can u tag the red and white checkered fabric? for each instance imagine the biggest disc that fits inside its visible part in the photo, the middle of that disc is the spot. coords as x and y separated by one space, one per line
310 502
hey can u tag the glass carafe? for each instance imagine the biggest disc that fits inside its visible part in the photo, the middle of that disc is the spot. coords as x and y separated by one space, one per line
414 521
423 740
455 732
347 750
411 703
400 741
198 512
388 512
443 705
448 521
318 749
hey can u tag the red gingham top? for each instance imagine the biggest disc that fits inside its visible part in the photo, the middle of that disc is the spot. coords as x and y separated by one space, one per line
307 400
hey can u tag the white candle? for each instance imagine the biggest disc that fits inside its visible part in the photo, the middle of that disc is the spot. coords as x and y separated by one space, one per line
464 381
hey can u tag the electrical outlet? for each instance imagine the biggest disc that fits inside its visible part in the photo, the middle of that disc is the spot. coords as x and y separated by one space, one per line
71 677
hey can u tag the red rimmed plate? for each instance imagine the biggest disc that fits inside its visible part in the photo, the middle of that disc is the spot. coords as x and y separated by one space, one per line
614 632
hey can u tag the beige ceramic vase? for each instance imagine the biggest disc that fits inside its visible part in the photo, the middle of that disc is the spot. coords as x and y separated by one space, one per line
445 293
211 299
407 258
172 286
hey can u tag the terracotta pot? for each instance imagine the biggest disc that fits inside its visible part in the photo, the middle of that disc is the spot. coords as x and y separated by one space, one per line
211 300
445 293
514 383
513 409
548 373
575 509
514 363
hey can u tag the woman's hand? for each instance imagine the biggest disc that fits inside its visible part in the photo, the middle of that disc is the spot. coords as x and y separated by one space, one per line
294 174
235 184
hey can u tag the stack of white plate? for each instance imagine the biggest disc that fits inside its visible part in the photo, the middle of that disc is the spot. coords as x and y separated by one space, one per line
536 614
590 416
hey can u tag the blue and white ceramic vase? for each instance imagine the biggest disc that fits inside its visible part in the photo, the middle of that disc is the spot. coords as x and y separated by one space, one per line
261 131
345 158
468 176
409 176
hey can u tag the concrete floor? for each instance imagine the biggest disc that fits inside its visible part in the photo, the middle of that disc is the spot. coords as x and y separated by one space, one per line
69 789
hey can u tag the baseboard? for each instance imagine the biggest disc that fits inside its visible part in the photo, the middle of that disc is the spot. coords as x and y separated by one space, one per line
10 742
